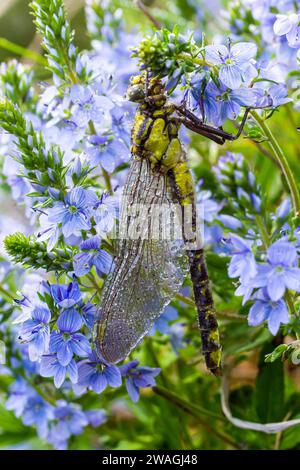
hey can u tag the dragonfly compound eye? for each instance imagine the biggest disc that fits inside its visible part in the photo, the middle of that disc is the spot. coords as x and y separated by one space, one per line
135 93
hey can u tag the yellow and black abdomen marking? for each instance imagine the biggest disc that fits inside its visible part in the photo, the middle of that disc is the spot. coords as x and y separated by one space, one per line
183 184
207 318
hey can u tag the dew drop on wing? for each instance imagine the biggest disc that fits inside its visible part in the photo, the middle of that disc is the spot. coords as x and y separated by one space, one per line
148 273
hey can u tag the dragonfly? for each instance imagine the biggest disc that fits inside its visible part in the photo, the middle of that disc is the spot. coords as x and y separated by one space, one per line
149 270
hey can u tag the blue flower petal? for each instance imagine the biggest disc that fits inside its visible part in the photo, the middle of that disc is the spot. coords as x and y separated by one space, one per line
113 375
243 52
230 75
103 262
282 253
65 353
292 278
69 321
126 368
59 375
42 314
278 314
72 370
276 286
80 345
133 390
258 313
216 54
98 382
92 243
243 96
82 263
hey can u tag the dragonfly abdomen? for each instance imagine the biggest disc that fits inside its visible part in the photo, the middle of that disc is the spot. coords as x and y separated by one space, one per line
183 187
207 320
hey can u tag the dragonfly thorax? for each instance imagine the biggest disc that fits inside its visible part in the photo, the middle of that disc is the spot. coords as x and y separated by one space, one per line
155 130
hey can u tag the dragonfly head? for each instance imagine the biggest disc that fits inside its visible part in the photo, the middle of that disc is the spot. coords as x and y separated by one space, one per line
141 90
136 91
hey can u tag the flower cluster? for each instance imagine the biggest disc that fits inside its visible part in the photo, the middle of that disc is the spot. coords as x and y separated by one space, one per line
264 255
56 422
218 79
64 150
275 27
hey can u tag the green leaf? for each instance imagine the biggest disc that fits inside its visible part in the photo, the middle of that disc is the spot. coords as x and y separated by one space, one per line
276 354
269 393
9 423
291 437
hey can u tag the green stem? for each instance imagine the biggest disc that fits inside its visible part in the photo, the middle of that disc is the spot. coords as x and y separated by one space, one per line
185 57
185 300
197 412
156 363
289 300
225 315
264 234
282 161
22 51
187 406
94 282
6 293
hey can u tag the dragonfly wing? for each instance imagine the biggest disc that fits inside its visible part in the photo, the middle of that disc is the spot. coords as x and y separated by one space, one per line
148 272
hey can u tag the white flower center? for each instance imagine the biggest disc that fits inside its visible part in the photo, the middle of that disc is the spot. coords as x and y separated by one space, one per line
294 18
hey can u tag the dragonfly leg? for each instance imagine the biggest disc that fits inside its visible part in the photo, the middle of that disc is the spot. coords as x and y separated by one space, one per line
197 125
202 131
243 122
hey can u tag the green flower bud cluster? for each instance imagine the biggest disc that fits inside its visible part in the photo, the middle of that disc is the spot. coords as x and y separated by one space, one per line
31 253
167 53
43 167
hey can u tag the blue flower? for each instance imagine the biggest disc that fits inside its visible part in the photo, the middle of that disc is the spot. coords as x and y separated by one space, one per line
56 440
278 95
281 272
137 378
96 417
74 212
242 263
109 152
220 103
177 339
50 367
88 312
91 256
66 296
288 25
96 375
230 222
213 235
36 332
88 106
235 62
266 309
207 207
19 393
38 413
71 419
106 213
162 323
284 209
68 341
272 97
121 123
